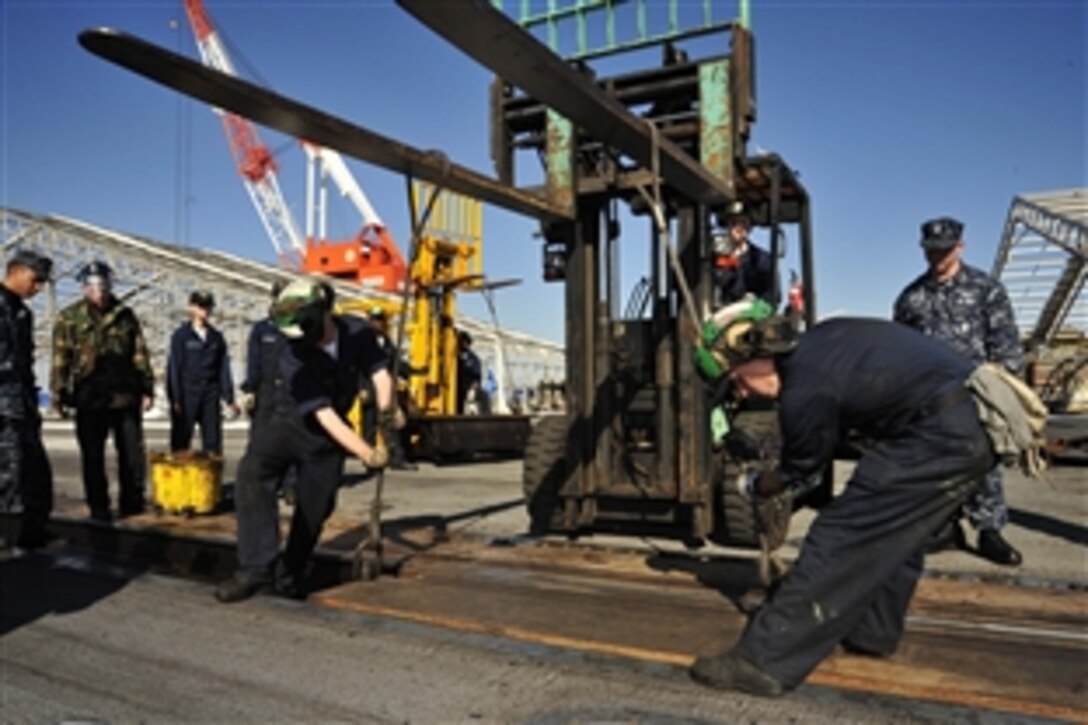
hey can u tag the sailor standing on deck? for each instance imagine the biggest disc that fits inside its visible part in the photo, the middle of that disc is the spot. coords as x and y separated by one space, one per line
197 378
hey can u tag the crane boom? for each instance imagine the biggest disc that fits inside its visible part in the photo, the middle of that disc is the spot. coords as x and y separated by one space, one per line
370 258
253 159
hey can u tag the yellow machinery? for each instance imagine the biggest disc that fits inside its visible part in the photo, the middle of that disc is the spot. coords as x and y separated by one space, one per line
447 259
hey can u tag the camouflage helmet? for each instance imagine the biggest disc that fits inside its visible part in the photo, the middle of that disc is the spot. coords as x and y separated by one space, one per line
299 309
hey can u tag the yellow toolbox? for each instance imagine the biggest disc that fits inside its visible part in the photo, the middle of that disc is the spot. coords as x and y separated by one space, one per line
186 482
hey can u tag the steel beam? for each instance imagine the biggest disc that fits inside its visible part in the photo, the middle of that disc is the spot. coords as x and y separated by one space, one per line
305 122
498 43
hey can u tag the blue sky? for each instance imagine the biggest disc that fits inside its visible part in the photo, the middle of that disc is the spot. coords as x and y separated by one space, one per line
892 112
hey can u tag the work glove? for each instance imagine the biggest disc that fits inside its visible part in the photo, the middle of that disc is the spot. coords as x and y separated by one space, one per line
378 458
248 403
391 420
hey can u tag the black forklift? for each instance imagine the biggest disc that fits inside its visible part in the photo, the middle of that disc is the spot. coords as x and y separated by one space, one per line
635 451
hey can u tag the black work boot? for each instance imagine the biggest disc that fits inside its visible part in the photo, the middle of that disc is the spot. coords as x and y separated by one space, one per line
288 583
730 671
992 546
239 588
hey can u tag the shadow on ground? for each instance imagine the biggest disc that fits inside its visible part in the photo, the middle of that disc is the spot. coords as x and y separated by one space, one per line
36 585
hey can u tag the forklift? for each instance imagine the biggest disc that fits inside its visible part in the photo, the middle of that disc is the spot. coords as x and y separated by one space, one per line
635 452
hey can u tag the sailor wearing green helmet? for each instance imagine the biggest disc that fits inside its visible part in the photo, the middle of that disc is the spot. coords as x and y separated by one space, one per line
323 366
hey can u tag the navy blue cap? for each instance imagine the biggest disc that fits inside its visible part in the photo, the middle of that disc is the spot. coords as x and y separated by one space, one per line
942 233
203 299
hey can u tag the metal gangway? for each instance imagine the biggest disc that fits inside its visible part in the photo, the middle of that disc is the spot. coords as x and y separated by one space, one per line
1043 262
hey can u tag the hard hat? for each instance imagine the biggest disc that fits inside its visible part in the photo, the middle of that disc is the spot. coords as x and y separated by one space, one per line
299 310
742 331
97 269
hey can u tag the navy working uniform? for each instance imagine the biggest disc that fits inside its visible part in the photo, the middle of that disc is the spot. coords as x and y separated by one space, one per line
863 555
25 473
314 378
197 377
972 313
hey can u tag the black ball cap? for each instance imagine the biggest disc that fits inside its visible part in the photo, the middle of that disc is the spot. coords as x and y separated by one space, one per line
942 233
41 265
202 299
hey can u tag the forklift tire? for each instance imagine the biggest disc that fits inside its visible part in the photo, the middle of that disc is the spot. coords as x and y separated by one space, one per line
543 473
740 522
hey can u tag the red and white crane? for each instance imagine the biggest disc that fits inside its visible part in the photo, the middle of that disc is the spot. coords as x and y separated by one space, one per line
370 258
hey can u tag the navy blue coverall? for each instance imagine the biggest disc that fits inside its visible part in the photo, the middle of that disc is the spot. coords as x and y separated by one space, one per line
197 378
753 275
312 380
263 379
863 555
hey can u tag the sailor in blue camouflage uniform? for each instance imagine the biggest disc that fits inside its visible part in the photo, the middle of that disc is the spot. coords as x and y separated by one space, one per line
25 473
970 310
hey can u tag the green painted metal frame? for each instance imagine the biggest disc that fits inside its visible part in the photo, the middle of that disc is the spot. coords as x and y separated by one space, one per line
581 10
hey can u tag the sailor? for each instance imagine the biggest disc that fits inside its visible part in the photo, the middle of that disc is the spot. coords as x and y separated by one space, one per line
862 557
101 368
970 310
25 473
326 358
198 377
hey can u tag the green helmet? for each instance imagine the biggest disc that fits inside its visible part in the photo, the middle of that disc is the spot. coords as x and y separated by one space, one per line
740 332
299 309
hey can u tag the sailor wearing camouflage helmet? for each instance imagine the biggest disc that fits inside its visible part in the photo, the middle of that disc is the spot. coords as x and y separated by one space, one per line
968 309
322 366
863 555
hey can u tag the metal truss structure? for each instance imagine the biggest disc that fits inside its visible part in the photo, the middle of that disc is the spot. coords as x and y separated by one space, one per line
156 278
1043 263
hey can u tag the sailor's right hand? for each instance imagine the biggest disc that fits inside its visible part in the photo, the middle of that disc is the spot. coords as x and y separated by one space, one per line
377 458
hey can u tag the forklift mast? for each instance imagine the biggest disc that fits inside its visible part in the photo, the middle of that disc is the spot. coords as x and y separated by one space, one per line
634 451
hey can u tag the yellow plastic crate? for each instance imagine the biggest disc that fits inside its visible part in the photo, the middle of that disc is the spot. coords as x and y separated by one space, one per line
185 482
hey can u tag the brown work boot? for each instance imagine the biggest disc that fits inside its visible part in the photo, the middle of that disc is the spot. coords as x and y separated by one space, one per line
730 671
